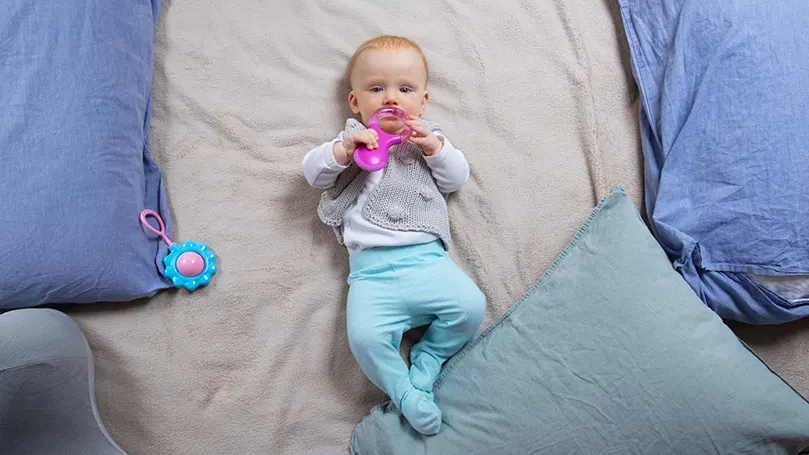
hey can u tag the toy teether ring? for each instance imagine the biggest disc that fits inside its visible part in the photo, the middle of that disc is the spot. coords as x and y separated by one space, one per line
376 159
189 265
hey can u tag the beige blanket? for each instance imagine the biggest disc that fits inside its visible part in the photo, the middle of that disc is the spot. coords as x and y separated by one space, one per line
537 94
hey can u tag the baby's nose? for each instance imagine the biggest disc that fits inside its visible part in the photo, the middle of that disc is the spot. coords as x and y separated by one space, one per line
390 99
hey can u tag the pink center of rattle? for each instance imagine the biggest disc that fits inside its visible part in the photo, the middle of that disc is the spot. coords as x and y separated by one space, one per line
190 264
393 117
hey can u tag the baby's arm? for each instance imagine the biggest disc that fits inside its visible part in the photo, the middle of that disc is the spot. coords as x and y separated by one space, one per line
449 167
323 164
320 167
448 164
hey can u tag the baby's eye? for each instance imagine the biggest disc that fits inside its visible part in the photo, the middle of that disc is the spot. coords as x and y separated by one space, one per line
376 89
405 90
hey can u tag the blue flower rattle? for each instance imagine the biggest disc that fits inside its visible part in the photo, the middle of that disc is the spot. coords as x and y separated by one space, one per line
189 265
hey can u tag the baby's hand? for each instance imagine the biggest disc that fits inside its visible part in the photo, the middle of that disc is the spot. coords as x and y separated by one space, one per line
430 143
344 151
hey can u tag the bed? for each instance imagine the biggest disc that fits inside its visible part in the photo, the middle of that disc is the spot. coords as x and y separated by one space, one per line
540 97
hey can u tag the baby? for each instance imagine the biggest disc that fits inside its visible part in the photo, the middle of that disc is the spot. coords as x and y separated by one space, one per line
395 224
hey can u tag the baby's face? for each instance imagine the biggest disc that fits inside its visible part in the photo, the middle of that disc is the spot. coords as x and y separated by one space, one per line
388 77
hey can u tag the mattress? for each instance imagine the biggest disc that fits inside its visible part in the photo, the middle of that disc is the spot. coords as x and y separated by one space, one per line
538 95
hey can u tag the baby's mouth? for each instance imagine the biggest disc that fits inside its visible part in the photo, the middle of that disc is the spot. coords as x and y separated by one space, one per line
391 125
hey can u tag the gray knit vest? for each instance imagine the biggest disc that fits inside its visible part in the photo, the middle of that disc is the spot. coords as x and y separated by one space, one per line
405 199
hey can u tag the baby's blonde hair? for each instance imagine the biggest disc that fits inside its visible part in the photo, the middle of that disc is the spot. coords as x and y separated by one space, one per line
385 42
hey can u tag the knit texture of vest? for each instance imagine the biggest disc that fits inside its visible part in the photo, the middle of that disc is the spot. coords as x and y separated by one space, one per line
405 199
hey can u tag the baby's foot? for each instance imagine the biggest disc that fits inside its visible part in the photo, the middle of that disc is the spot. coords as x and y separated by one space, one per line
424 370
420 410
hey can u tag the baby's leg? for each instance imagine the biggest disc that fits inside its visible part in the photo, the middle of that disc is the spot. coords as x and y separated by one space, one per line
377 317
459 306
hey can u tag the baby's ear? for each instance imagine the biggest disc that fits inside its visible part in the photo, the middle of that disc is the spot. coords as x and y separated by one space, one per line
424 103
353 102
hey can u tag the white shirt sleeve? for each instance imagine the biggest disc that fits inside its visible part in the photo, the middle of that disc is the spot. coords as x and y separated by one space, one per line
319 166
449 167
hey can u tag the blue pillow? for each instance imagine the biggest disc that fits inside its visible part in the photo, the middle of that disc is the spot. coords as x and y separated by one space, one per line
75 167
610 352
724 109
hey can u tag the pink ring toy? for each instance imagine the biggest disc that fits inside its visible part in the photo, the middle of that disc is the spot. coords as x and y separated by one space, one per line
376 159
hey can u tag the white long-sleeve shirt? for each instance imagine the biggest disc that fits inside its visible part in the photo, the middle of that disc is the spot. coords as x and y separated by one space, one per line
450 171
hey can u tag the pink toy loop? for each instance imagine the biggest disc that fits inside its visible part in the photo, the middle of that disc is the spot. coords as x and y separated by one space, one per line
392 112
162 232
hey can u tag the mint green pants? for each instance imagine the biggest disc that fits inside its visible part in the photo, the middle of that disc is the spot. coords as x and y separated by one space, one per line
395 289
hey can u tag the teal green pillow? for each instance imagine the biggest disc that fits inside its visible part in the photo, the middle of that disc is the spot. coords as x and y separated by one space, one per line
609 352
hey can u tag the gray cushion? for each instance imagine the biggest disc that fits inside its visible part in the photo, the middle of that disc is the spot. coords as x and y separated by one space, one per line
609 352
47 401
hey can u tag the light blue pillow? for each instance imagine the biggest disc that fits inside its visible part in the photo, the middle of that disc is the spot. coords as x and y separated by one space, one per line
75 166
609 352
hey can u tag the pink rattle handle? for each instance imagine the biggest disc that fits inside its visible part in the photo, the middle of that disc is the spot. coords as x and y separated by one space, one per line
162 232
376 159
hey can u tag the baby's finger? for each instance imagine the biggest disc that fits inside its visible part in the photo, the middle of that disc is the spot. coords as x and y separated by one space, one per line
366 136
420 128
373 141
370 145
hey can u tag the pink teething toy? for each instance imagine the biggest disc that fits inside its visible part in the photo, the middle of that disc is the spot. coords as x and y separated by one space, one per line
374 160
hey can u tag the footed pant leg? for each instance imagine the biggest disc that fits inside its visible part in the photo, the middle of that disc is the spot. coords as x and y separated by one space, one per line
377 317
445 292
